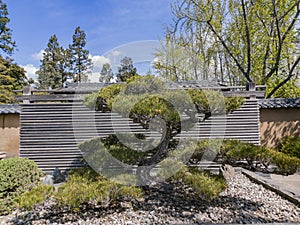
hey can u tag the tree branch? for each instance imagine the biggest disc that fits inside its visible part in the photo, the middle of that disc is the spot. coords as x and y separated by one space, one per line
286 79
247 39
281 38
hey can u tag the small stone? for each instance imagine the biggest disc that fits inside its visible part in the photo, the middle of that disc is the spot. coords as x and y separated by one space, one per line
126 205
186 213
48 180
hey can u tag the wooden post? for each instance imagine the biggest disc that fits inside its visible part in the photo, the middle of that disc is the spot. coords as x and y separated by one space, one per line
251 87
26 92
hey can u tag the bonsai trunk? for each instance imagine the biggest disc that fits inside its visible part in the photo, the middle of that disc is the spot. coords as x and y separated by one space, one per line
143 171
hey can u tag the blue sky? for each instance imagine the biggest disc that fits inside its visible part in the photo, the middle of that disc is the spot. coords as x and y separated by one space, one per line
114 28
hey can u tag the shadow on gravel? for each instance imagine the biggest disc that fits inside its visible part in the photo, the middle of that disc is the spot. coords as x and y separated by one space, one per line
178 201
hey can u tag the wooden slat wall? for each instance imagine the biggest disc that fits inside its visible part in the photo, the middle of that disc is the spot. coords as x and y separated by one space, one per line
50 132
242 124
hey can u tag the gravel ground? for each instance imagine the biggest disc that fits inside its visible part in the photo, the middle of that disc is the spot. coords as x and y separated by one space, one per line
242 202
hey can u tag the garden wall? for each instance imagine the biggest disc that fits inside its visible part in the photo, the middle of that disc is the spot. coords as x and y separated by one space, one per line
9 134
277 123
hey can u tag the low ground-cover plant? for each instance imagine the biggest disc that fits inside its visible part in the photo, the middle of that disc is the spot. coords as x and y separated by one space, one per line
206 185
290 146
17 175
85 187
35 196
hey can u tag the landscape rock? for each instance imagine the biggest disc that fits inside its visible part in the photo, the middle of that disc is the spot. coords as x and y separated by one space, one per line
57 176
48 180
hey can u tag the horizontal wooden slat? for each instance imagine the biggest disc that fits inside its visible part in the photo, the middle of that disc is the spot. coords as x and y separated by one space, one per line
51 132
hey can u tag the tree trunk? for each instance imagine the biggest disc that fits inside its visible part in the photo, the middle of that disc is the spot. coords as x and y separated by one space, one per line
143 170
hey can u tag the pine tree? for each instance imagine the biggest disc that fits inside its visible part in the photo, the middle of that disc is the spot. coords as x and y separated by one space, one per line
80 63
126 70
7 45
52 73
106 73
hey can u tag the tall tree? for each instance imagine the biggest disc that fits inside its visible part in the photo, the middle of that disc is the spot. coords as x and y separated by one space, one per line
254 40
126 70
106 74
54 65
80 63
7 45
12 77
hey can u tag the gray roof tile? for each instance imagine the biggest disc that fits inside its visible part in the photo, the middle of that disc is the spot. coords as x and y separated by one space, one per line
9 109
279 103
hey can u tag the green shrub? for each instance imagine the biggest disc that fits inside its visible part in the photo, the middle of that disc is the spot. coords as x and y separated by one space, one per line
36 195
290 146
85 187
17 175
258 157
206 185
286 165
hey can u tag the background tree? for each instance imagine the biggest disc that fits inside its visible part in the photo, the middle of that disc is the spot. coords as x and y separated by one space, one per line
12 77
7 45
126 70
106 74
252 40
53 69
80 62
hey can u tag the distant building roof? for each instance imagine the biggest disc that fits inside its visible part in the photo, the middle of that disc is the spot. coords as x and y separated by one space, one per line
194 84
10 109
279 103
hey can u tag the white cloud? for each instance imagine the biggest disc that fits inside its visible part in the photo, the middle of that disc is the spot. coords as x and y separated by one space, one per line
115 53
30 71
38 56
99 60
94 77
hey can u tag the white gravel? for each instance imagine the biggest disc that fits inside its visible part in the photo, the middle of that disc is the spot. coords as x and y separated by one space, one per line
242 202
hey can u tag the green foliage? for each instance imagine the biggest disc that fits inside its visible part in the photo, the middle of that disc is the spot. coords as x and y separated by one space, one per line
17 175
147 101
133 78
288 90
80 61
103 100
84 187
7 45
126 70
290 146
249 42
258 157
12 77
286 165
97 148
206 185
35 196
147 97
53 69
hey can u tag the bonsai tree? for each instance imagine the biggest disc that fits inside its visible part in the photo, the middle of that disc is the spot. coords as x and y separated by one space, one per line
164 112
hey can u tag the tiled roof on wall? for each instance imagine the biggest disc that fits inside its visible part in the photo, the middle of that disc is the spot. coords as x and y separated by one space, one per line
279 103
10 109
